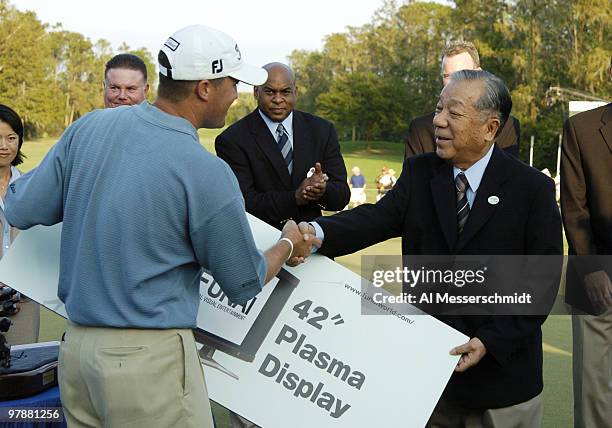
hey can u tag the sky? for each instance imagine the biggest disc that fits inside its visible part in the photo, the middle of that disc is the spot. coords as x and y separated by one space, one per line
265 30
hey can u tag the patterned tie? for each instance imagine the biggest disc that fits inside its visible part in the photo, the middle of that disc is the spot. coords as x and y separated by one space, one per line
284 146
463 207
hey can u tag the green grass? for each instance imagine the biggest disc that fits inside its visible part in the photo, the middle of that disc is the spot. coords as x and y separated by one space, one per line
558 394
370 157
51 326
35 150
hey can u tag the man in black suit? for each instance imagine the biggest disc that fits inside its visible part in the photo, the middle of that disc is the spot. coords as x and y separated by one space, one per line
507 208
288 163
586 204
457 55
276 182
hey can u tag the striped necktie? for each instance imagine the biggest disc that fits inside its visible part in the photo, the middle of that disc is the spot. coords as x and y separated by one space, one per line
285 147
463 206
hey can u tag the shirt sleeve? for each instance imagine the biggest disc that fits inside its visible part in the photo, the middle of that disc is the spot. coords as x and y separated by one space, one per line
225 246
37 197
221 235
319 234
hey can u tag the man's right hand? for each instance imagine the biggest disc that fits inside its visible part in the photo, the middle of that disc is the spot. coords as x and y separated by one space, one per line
302 242
278 254
305 229
599 289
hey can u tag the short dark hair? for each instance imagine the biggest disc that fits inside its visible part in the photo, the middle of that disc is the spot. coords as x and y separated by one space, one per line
173 90
495 96
176 90
11 118
129 61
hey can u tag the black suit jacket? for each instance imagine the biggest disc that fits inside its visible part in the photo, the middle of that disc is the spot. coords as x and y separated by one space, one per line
421 137
586 198
421 208
269 191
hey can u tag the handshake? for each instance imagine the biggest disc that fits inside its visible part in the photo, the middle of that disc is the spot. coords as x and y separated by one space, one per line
302 238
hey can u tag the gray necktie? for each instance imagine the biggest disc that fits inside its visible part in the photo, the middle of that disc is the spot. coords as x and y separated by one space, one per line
463 206
285 147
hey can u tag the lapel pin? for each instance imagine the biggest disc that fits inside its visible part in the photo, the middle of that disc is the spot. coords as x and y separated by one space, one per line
493 200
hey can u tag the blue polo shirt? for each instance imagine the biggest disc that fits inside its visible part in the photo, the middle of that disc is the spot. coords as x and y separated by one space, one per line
144 208
357 181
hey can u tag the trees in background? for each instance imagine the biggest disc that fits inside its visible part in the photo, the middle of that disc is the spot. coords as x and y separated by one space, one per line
372 80
26 68
51 76
243 105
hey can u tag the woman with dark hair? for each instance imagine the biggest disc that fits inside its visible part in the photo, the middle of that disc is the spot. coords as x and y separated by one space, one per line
26 321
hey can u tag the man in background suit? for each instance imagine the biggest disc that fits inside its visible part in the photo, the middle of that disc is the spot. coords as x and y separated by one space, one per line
469 197
275 180
272 151
457 55
586 203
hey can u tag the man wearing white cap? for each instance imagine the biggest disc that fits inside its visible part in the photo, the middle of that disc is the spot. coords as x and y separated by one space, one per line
144 209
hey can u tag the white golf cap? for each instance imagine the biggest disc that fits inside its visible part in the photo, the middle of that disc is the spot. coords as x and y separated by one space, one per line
199 52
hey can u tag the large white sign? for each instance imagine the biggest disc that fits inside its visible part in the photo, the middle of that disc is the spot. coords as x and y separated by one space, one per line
236 326
302 353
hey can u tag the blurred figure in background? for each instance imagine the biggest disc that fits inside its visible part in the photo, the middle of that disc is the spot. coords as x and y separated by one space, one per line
384 182
357 183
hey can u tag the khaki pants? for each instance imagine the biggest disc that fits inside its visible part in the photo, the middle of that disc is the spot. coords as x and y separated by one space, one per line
26 324
523 415
132 378
592 358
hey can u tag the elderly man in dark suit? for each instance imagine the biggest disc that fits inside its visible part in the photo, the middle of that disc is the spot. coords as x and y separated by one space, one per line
586 204
457 55
469 197
273 151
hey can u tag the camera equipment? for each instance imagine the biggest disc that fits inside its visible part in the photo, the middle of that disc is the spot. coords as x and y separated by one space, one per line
8 308
7 293
32 369
8 301
5 348
25 370
5 324
5 352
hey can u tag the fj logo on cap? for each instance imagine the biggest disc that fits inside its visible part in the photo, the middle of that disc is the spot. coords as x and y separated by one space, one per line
217 66
172 44
238 51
